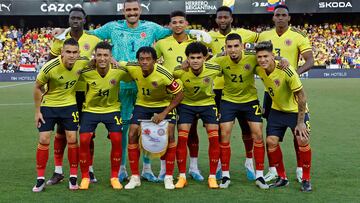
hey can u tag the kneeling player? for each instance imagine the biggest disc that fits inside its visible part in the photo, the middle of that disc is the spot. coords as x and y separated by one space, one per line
198 100
288 110
154 102
239 100
101 106
58 105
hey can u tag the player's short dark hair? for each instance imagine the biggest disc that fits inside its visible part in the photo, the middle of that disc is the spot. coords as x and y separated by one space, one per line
76 8
177 13
71 41
224 8
264 46
103 45
146 50
196 48
281 6
233 36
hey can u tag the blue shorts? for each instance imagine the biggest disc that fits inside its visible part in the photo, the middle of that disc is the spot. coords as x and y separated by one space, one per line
127 97
187 114
249 111
279 121
66 116
145 113
112 121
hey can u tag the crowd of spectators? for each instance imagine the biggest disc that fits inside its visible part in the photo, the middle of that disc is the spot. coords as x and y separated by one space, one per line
334 45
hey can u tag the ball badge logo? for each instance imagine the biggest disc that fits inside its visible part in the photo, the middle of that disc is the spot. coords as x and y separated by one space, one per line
161 132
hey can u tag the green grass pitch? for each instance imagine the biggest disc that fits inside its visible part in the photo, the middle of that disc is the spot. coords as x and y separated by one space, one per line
334 106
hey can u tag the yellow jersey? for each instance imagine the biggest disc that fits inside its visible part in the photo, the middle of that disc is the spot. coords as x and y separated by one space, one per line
217 45
198 90
289 45
87 45
239 77
60 82
173 53
156 89
281 85
102 95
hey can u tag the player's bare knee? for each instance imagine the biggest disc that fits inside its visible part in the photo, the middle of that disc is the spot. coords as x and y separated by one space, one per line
272 141
44 138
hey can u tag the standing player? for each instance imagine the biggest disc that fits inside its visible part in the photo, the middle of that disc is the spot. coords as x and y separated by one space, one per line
288 110
172 49
289 43
58 105
239 100
102 106
223 20
153 102
198 100
127 36
87 43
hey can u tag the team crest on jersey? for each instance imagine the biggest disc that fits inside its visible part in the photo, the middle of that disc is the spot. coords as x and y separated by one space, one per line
161 132
247 66
288 42
206 80
112 81
147 131
86 46
277 82
143 35
154 84
78 72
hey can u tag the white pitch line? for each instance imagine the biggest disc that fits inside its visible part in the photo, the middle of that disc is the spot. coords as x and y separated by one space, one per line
14 85
17 104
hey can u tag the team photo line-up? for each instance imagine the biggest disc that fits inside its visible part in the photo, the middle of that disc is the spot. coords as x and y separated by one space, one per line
141 80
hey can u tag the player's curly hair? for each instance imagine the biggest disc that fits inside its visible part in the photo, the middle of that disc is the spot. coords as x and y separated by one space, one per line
146 50
77 9
196 48
177 13
264 46
224 8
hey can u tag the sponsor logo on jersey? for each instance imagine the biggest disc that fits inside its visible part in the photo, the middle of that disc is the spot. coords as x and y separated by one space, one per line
170 49
187 80
61 77
147 131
